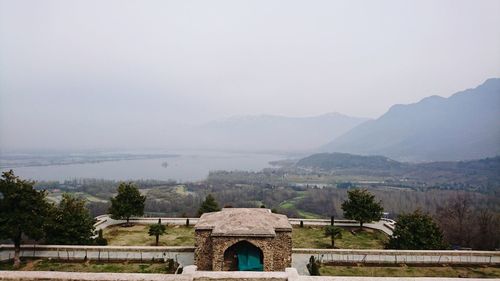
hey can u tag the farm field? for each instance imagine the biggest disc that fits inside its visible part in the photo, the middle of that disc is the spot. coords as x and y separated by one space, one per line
410 271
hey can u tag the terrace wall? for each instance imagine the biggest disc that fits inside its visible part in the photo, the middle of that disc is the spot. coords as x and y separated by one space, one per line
191 275
300 257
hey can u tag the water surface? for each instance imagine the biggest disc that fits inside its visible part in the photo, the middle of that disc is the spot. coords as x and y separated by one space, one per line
185 167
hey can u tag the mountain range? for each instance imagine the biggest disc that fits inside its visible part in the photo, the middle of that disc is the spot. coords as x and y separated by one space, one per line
275 133
462 127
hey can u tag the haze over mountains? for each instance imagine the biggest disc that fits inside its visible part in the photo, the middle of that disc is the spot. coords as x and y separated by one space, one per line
275 133
464 126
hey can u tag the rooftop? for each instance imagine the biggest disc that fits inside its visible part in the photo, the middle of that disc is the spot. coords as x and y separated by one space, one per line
243 222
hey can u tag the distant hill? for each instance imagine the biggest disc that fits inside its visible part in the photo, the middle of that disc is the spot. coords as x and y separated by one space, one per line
462 127
275 133
339 161
482 173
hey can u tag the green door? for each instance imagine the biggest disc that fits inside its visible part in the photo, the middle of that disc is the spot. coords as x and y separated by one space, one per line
249 258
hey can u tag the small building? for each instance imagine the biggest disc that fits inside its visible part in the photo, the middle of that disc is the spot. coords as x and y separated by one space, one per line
245 239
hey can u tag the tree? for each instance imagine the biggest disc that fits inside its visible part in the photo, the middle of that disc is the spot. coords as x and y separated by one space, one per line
416 231
157 230
209 205
70 223
100 240
334 232
313 266
23 211
455 218
128 202
486 233
361 206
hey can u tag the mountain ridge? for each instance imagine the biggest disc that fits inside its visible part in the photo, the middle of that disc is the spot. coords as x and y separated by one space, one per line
274 132
464 126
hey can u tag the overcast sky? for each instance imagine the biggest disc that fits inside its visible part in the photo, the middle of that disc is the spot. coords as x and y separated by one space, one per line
99 74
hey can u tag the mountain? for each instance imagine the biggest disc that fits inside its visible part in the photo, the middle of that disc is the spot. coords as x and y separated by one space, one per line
340 161
275 133
461 127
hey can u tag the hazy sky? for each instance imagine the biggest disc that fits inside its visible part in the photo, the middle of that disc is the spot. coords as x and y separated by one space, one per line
101 74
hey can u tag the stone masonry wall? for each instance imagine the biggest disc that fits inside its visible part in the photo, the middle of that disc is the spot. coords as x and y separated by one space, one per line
209 253
282 244
203 249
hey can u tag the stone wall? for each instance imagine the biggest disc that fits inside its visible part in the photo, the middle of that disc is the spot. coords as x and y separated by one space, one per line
181 254
192 275
283 250
203 249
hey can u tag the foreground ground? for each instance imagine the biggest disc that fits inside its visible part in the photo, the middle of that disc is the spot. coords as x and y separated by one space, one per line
306 237
123 267
407 271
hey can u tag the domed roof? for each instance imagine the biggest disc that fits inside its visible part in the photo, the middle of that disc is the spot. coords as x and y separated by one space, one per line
243 222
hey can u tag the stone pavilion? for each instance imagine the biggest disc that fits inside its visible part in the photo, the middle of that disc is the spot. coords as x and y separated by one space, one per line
245 239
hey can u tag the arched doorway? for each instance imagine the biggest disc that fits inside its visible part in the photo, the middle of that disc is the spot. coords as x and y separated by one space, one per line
243 256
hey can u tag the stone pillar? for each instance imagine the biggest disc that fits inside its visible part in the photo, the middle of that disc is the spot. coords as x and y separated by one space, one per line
282 254
203 250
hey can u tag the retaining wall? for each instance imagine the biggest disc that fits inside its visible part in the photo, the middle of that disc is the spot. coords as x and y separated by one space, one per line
301 256
192 275
183 255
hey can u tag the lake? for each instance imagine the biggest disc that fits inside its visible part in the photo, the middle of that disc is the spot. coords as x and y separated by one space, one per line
186 167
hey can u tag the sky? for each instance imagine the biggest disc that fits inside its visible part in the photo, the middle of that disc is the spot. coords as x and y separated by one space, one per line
137 74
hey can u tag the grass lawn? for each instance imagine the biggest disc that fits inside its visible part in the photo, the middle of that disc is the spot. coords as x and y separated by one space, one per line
290 204
306 237
407 271
314 237
48 265
137 235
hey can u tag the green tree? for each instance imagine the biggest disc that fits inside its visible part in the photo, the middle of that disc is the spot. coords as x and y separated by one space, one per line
209 205
334 232
361 206
100 240
128 202
416 231
157 230
23 211
313 267
70 223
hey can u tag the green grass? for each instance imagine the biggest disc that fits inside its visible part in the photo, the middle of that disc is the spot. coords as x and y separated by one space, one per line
137 235
308 215
124 267
290 204
407 271
306 237
314 237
